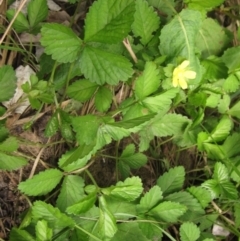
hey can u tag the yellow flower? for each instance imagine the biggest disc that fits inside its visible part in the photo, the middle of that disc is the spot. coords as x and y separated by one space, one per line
181 75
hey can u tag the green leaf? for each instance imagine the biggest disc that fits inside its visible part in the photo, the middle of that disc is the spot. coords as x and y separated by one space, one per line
9 163
214 68
201 194
128 190
37 12
221 131
172 180
56 220
9 145
224 103
231 58
7 82
20 24
104 67
150 199
103 99
167 10
145 22
83 205
61 42
231 146
234 111
72 190
231 84
160 102
130 231
20 235
107 222
42 183
151 231
82 90
220 173
43 233
86 128
211 38
108 22
183 30
132 159
194 208
168 212
52 125
189 232
77 158
121 209
237 213
148 82
169 124
228 190
203 4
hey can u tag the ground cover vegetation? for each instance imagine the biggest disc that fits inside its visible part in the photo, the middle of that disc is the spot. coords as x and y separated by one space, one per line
138 105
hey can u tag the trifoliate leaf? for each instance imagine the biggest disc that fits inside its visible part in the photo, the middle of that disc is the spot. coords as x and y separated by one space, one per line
37 12
71 191
148 82
61 42
107 222
86 128
103 99
211 38
234 111
189 232
150 199
172 180
168 211
203 4
231 84
83 205
9 163
42 183
104 67
20 235
201 194
7 82
20 24
145 22
108 22
231 58
55 219
82 90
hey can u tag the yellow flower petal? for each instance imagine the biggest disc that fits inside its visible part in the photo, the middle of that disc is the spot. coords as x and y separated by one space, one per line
184 64
183 83
189 74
